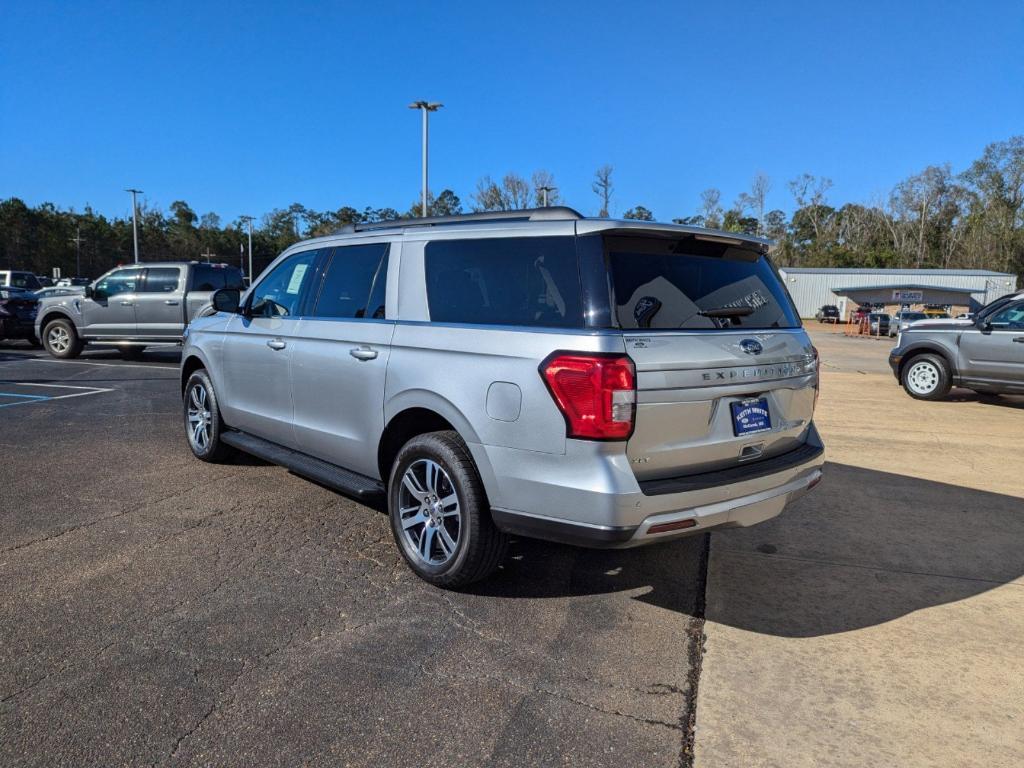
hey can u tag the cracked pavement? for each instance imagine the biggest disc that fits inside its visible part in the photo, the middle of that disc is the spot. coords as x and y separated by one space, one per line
161 611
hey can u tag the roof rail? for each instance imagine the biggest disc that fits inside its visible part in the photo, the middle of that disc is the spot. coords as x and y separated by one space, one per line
553 213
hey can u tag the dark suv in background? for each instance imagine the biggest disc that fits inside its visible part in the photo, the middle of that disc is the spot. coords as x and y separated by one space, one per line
828 314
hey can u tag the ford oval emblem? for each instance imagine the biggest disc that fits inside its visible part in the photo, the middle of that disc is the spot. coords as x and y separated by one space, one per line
751 347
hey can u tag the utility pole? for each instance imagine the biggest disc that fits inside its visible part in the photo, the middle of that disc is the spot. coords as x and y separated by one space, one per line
544 194
78 240
426 107
207 254
135 221
248 220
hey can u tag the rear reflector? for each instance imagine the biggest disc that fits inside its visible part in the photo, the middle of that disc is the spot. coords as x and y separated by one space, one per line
595 393
662 527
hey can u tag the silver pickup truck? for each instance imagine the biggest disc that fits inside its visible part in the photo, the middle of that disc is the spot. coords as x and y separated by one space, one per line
132 307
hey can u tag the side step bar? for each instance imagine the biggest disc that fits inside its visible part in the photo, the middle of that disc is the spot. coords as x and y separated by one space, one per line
351 483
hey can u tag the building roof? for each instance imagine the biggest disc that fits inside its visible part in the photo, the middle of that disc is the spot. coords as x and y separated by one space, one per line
869 271
901 287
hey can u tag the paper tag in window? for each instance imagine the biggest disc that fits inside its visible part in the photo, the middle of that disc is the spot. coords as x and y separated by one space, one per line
296 282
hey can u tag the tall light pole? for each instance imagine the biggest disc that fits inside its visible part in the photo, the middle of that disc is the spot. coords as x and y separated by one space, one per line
78 240
426 107
135 221
544 194
248 220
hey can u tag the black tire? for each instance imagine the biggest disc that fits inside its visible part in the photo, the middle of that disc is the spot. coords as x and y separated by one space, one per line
61 340
926 377
210 448
479 545
131 353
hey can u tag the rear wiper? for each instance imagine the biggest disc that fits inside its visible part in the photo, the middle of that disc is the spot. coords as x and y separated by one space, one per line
726 312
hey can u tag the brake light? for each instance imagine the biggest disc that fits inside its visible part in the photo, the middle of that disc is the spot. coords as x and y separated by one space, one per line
596 393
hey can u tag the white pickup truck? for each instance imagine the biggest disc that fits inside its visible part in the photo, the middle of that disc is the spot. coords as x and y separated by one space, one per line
132 307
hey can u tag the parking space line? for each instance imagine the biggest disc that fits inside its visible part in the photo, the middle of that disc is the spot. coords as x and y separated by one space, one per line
107 365
30 399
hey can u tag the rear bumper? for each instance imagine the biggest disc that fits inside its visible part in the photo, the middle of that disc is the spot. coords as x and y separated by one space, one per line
18 328
590 496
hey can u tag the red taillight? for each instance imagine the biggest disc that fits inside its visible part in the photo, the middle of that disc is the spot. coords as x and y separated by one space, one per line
596 393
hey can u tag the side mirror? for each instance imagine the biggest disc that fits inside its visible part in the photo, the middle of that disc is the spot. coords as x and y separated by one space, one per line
227 300
88 292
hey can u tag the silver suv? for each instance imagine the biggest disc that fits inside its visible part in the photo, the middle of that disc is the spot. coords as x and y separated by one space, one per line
590 381
985 353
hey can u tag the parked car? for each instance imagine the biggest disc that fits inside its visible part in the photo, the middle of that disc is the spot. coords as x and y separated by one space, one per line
861 313
591 381
44 281
17 314
903 319
132 307
878 323
986 356
65 282
829 313
13 278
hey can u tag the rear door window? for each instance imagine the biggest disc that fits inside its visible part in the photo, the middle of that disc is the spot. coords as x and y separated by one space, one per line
161 280
354 283
695 285
532 281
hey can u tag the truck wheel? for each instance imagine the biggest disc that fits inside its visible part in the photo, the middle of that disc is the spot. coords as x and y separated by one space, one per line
61 340
926 377
203 424
440 516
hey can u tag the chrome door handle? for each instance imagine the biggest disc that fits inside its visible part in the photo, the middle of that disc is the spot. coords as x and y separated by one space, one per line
126 303
363 353
276 344
171 302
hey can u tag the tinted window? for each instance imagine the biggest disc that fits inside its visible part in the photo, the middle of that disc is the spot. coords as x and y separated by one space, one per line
24 280
161 280
354 272
504 281
280 292
118 282
695 284
1012 317
206 278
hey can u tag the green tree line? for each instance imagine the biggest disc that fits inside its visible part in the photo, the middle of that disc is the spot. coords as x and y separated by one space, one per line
973 219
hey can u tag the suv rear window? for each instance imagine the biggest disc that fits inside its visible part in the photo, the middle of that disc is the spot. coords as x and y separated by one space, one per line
505 281
695 285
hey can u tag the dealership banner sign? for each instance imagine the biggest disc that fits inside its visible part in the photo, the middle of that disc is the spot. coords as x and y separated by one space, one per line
908 296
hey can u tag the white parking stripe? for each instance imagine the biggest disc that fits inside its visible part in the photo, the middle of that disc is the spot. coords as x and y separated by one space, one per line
105 365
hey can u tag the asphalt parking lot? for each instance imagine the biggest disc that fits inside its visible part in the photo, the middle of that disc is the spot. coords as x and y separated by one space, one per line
161 611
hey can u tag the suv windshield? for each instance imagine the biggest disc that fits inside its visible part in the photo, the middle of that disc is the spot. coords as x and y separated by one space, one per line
695 285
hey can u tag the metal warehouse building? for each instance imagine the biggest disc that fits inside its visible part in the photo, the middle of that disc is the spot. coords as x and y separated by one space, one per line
812 288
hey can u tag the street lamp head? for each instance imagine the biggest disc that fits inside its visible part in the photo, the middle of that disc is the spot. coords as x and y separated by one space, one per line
430 106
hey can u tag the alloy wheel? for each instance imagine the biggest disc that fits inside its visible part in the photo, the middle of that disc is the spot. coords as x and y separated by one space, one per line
200 419
429 512
59 339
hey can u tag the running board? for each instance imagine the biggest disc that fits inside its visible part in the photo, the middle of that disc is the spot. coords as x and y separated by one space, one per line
340 479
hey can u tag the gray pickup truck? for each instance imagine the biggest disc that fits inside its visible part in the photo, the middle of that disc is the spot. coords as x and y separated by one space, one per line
132 307
985 353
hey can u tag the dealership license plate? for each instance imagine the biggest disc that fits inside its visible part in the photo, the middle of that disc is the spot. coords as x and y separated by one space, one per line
750 416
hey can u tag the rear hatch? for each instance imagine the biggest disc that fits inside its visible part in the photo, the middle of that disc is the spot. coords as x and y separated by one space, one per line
725 373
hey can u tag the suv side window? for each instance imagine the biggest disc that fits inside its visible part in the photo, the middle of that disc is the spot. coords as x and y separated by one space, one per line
280 293
505 281
1012 317
354 283
118 282
161 280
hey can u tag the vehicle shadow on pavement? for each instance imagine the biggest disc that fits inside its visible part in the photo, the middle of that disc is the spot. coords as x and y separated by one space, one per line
669 575
968 396
865 548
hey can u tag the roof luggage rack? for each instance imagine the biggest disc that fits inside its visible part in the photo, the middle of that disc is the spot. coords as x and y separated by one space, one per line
554 213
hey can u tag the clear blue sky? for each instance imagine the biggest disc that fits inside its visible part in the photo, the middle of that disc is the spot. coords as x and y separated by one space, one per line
244 107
